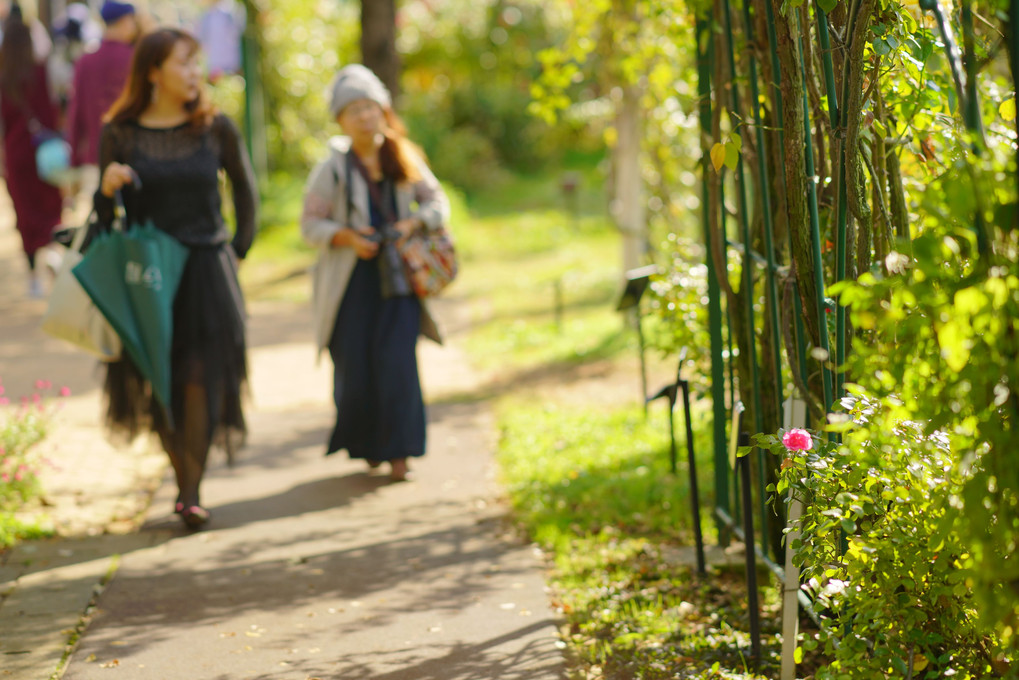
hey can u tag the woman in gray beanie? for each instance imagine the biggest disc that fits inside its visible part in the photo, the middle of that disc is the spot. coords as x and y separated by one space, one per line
373 189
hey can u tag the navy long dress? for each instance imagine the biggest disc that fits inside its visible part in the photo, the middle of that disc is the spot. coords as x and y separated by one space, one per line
380 413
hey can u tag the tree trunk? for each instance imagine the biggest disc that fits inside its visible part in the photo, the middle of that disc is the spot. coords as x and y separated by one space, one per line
378 42
795 169
629 211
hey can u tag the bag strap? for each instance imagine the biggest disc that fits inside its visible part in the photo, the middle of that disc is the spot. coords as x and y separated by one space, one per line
346 188
82 233
384 207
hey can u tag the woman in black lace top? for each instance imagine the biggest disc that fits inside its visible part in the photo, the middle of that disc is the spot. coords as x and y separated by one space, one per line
163 137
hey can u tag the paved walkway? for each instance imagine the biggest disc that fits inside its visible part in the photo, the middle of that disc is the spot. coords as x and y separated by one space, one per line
311 568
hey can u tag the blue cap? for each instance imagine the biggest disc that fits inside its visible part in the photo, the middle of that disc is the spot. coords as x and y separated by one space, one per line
112 11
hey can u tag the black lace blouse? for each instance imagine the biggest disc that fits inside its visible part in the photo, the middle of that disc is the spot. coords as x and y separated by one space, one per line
179 172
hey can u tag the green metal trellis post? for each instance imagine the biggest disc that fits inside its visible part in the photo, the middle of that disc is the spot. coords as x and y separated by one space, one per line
769 229
836 115
744 218
769 253
815 236
704 60
1013 38
966 86
254 103
748 267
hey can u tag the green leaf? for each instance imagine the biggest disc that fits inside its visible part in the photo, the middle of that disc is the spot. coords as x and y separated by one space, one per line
827 5
731 156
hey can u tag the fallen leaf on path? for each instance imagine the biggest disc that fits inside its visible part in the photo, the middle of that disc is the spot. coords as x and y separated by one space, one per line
91 658
110 664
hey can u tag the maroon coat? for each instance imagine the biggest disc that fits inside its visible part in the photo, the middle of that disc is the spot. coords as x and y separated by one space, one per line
37 205
99 78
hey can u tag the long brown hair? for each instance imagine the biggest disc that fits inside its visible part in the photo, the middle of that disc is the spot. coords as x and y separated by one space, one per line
397 154
150 52
17 59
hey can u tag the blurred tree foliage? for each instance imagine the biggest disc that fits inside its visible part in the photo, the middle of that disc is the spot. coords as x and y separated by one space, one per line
468 66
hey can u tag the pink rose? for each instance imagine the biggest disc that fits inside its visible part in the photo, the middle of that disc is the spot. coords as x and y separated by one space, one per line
797 440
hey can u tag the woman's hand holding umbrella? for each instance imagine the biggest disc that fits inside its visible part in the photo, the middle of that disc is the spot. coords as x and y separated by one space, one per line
115 177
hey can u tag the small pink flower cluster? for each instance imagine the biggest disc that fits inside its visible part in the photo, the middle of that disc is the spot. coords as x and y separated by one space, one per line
36 397
797 440
20 473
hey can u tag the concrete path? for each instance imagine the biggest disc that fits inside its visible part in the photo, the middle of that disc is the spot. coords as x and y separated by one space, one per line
311 568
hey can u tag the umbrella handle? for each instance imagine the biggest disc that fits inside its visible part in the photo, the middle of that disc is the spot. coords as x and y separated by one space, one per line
118 195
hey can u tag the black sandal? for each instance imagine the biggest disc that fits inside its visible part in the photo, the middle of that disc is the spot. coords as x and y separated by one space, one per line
195 516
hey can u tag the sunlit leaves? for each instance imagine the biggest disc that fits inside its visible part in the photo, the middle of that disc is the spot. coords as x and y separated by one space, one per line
1007 110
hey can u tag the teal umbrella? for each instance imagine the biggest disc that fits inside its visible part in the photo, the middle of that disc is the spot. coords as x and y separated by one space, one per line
133 276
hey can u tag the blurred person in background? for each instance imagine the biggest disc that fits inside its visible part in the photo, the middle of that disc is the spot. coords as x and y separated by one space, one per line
74 34
99 78
26 108
219 30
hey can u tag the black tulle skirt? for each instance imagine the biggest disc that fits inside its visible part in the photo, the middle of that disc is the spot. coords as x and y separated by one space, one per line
208 353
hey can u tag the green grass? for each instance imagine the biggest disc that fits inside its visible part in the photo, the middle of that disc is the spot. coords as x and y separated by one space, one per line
14 530
592 486
545 285
577 471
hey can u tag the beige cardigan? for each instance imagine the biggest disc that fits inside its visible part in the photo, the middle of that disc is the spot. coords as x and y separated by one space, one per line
331 273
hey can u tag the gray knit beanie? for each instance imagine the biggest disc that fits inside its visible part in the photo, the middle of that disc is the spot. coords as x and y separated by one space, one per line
355 82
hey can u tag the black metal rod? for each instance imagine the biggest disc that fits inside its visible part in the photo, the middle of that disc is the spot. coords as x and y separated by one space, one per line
695 496
808 605
743 462
672 432
643 362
